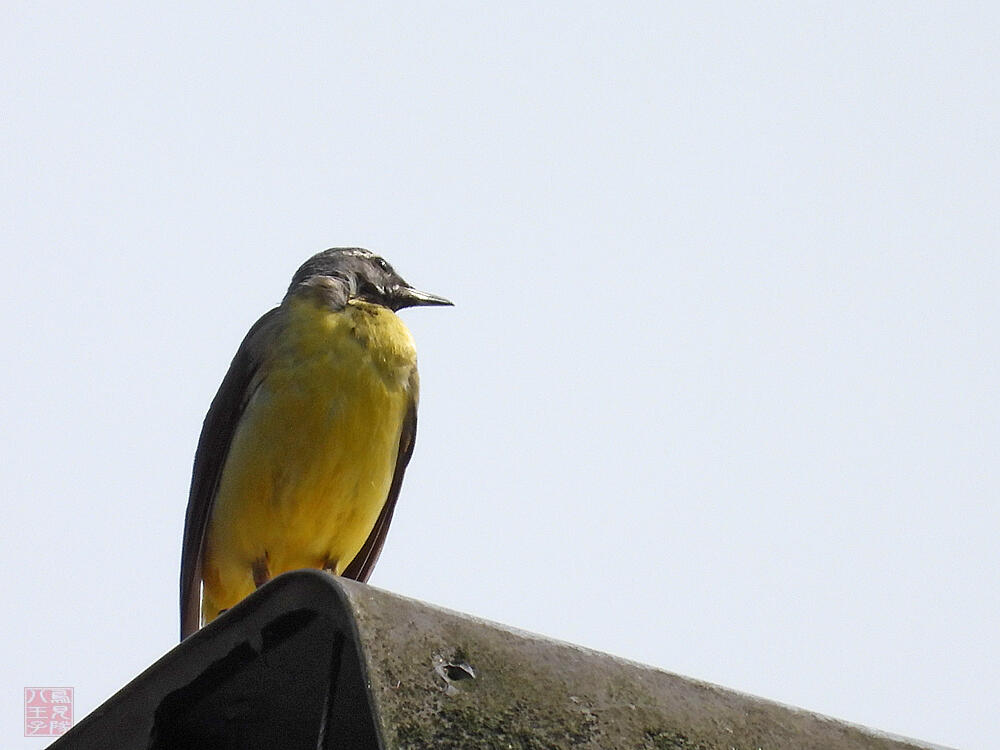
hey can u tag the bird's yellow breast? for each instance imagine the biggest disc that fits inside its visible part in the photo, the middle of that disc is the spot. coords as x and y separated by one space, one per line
312 458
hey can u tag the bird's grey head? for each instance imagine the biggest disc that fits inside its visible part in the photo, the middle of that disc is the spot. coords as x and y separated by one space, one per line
346 273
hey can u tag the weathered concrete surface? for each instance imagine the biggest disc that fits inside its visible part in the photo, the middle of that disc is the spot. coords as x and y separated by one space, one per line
314 662
440 680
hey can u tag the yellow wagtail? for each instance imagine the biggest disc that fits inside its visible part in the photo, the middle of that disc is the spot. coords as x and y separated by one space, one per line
303 450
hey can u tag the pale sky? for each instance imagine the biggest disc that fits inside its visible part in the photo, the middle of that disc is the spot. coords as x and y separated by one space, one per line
720 389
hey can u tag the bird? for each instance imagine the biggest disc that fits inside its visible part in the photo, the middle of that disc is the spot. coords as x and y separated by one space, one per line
302 452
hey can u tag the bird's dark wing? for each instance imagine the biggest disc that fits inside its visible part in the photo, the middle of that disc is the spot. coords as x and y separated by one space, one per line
213 447
361 566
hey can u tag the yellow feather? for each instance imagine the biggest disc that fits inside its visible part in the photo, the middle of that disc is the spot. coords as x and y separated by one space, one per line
310 464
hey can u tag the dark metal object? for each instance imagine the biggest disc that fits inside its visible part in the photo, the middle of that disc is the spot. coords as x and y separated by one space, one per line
312 661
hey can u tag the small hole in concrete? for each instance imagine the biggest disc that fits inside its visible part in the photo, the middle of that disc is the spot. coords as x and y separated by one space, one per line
456 672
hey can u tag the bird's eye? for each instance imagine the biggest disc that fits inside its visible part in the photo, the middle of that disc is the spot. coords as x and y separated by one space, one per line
383 265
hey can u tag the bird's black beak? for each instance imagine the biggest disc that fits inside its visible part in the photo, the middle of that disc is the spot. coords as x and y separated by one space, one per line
406 296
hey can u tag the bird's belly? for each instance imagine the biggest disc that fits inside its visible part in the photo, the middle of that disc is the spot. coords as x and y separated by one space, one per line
308 471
